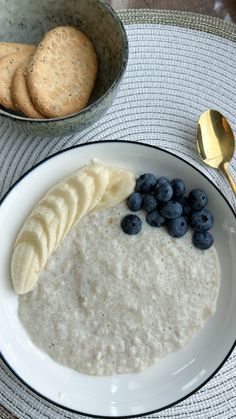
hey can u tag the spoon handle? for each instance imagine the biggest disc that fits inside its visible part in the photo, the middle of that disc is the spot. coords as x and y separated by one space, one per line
224 169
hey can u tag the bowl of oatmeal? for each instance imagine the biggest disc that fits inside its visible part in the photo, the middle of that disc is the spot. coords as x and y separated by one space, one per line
148 317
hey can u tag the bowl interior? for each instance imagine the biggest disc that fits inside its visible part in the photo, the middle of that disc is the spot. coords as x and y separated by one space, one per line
26 21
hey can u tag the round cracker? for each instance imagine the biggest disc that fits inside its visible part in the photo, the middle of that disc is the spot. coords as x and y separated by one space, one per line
20 94
62 72
8 66
13 47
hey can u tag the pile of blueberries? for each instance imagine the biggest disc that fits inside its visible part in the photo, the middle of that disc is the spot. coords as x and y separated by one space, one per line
165 204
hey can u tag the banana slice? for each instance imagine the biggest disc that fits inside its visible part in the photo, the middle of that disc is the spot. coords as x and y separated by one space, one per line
33 233
121 185
85 189
71 198
100 175
47 218
60 209
25 267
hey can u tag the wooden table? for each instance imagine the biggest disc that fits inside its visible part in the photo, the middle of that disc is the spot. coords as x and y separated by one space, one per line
225 9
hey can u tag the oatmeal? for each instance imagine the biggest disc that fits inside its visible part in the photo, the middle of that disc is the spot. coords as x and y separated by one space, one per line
111 303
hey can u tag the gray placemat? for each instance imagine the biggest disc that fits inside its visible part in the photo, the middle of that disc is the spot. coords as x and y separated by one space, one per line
179 65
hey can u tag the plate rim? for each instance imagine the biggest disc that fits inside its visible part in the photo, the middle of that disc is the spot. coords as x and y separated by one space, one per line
67 409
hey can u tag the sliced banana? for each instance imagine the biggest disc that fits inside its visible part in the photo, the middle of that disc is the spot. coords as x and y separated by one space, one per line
25 267
34 233
60 209
92 187
71 199
121 185
100 175
85 189
48 219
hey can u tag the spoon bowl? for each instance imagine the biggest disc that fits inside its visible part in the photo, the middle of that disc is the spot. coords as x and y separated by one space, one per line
216 143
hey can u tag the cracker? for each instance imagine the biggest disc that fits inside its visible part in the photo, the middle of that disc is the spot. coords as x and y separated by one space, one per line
13 47
20 94
62 72
8 66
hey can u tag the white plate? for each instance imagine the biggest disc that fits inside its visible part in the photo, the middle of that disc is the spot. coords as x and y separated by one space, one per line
173 378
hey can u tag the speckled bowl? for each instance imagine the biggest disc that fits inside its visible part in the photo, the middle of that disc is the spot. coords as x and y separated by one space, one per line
26 21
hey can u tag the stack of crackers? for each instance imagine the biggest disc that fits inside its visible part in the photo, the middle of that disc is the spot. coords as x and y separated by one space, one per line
52 80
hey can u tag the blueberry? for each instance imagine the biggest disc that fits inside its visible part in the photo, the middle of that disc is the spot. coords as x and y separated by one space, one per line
131 224
135 201
149 203
179 188
177 227
171 210
203 240
162 180
164 192
154 219
201 220
186 218
185 205
146 183
198 199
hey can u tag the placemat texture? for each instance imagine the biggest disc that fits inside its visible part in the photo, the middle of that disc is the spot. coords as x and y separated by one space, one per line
179 65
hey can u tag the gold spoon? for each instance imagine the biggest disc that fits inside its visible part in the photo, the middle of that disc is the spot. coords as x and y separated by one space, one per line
215 143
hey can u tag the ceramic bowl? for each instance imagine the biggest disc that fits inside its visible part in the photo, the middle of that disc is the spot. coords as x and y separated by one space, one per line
26 21
172 378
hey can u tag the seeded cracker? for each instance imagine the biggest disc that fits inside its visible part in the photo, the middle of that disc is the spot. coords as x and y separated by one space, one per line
62 72
13 47
20 94
8 66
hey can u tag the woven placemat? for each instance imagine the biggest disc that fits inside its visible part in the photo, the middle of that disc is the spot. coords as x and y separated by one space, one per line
180 64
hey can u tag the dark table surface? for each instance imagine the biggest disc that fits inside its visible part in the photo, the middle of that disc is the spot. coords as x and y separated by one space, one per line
225 9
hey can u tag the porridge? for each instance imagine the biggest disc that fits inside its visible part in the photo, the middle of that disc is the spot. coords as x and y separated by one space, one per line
107 302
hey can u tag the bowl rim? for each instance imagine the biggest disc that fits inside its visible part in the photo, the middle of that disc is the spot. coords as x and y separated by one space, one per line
117 20
67 409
